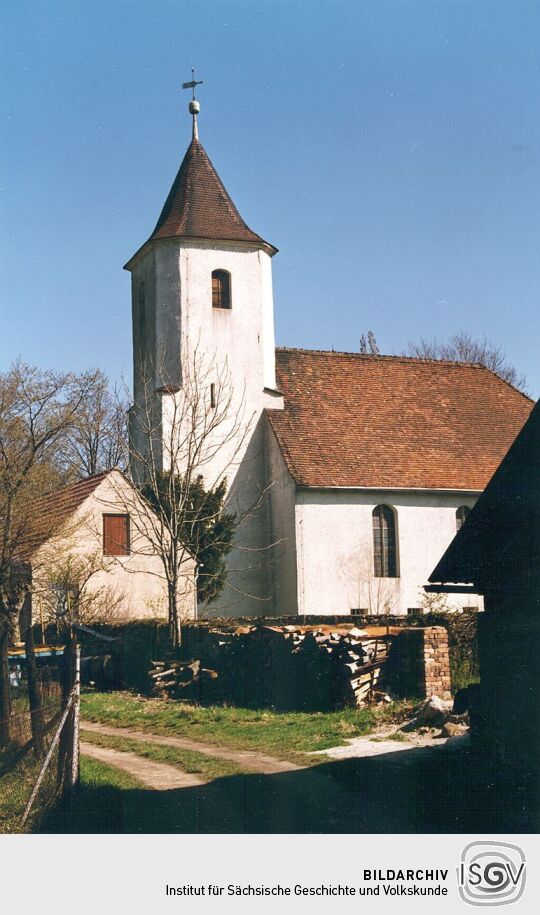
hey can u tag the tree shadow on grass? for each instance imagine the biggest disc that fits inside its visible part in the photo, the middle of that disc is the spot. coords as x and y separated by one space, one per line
411 791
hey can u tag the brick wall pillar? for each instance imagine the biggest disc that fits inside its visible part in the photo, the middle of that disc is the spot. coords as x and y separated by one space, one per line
436 662
419 663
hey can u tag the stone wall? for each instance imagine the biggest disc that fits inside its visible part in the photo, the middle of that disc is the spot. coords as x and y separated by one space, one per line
418 661
418 664
461 629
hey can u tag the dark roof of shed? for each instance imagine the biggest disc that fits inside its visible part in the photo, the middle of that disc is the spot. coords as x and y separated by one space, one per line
499 545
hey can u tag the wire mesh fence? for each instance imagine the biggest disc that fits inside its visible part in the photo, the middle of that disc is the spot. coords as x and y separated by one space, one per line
33 776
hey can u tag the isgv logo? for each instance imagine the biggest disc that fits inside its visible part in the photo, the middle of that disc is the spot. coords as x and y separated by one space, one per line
491 873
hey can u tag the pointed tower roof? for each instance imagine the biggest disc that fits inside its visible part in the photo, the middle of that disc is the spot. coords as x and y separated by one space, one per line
198 206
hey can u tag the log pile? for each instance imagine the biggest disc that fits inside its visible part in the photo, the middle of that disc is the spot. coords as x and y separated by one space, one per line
289 667
179 679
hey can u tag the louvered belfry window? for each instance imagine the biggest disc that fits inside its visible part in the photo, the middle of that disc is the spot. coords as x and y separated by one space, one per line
462 514
384 542
116 535
221 289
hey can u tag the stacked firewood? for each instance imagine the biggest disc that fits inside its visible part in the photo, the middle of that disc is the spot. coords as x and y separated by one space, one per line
179 679
345 663
292 667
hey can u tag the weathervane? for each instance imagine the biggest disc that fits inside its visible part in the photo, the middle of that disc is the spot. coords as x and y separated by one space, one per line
194 106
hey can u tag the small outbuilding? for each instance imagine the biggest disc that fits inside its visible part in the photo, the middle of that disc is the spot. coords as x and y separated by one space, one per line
497 553
92 542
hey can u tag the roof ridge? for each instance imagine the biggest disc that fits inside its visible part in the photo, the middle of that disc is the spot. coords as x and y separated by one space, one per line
94 477
418 360
381 356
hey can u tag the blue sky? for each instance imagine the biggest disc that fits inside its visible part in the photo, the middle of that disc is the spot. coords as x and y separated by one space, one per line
389 149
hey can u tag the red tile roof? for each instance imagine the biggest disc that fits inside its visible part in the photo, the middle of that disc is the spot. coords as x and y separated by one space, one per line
198 206
393 422
53 510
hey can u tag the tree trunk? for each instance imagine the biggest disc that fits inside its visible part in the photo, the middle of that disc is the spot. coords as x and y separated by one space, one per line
34 695
5 694
174 623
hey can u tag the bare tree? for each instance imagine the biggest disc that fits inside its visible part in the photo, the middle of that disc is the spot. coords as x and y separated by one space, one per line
65 587
97 440
379 596
36 409
462 347
181 436
369 346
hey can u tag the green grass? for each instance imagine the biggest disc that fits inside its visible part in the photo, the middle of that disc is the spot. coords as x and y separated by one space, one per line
103 799
20 775
281 734
464 673
15 790
399 736
207 767
96 775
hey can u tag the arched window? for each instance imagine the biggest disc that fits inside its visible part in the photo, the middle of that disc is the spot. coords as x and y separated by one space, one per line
142 304
462 513
384 542
221 289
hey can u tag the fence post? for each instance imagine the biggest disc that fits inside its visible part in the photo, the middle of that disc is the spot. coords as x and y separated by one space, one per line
74 773
69 736
47 760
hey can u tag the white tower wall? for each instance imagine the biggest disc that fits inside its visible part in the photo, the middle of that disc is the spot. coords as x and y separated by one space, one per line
181 329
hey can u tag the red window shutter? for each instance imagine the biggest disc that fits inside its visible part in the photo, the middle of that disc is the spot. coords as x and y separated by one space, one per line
116 535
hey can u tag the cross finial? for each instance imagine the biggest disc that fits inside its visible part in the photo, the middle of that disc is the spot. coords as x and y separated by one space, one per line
194 106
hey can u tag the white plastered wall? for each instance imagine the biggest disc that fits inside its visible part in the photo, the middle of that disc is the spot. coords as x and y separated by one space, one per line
242 335
134 585
334 547
283 531
242 338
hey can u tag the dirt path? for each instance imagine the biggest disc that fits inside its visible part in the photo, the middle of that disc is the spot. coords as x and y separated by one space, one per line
375 745
248 759
157 775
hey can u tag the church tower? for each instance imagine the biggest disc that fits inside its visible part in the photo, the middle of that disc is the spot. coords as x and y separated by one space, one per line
202 309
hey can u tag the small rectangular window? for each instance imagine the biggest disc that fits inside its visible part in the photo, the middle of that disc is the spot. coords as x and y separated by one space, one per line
212 396
116 541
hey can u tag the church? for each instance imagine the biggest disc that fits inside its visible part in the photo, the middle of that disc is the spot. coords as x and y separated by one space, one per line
350 473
